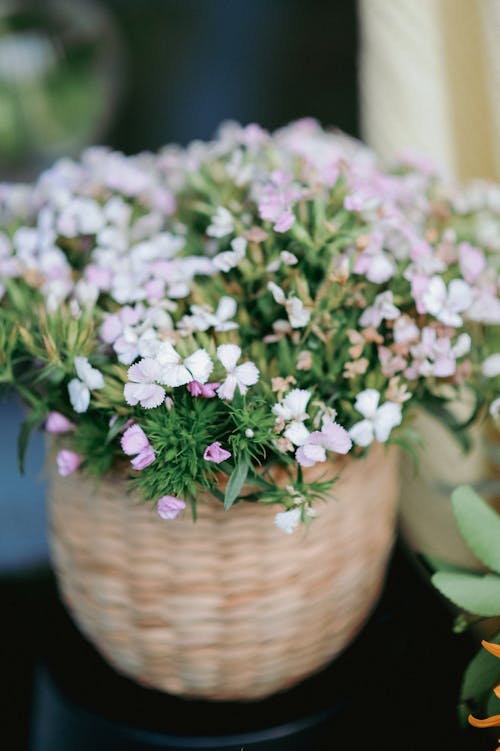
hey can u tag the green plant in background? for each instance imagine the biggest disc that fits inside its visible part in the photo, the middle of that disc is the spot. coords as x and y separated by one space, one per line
477 594
58 78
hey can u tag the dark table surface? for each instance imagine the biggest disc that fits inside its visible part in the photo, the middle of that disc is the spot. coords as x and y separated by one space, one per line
395 687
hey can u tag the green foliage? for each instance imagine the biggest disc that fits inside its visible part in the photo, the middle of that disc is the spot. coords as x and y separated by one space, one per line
481 675
476 593
92 439
479 525
236 481
179 437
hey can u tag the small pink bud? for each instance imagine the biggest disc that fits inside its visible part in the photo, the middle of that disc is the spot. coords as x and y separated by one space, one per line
57 423
144 459
206 390
67 462
215 453
209 390
169 506
195 388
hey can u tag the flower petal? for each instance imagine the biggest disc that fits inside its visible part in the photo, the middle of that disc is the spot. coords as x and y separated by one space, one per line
247 374
149 395
229 354
146 370
288 521
168 506
367 402
388 416
91 377
362 433
335 438
199 365
134 440
79 395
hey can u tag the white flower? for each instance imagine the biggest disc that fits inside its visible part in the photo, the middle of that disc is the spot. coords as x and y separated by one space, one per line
485 307
79 388
288 521
203 318
292 409
491 366
79 395
82 216
289 259
405 330
228 259
382 309
241 376
277 293
131 345
143 390
86 293
462 345
378 422
446 304
298 315
177 372
222 223
89 375
495 409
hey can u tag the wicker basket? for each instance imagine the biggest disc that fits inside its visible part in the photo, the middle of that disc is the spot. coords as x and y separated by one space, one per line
229 607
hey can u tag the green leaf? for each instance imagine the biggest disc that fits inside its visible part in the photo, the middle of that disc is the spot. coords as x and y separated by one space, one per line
27 428
115 429
476 594
438 564
479 525
480 676
236 482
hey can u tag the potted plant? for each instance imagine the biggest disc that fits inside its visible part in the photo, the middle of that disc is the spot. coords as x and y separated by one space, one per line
223 342
463 220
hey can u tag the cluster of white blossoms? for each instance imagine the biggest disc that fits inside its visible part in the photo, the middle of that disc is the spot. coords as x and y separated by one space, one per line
282 274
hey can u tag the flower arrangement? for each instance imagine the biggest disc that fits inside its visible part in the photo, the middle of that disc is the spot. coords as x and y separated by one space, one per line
202 314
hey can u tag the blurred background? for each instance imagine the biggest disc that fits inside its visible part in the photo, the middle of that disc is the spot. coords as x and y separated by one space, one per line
136 75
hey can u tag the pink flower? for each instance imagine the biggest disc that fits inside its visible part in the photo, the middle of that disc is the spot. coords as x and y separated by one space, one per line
331 437
169 506
67 462
391 363
215 453
143 390
285 221
383 309
144 459
57 423
134 440
375 263
276 202
308 454
206 390
98 276
111 328
472 262
155 289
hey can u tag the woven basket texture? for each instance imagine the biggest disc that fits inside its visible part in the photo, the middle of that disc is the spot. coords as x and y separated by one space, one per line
229 607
